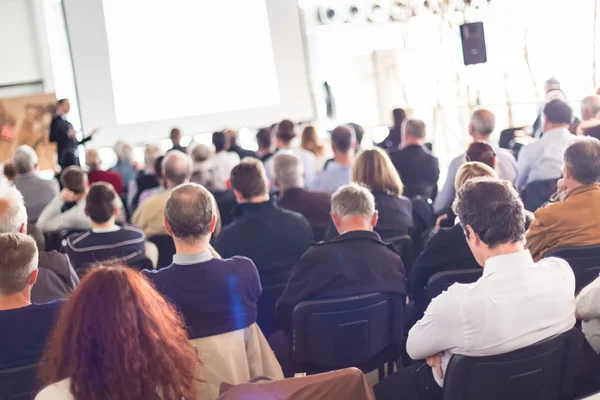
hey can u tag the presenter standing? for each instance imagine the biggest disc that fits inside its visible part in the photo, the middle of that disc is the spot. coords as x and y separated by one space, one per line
65 137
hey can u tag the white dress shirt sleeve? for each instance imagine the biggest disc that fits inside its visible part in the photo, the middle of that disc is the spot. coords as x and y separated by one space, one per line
447 194
588 301
524 166
51 219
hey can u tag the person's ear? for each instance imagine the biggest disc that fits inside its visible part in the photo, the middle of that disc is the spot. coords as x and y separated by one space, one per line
168 227
472 236
33 277
228 184
115 211
213 224
374 218
268 186
238 196
566 172
275 182
471 130
337 221
23 228
86 212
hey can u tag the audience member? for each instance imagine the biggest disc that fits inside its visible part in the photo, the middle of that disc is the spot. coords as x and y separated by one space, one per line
117 338
573 220
158 171
125 166
56 277
37 192
481 127
418 168
500 312
394 139
25 324
355 262
222 161
203 172
177 169
542 160
284 136
175 137
96 174
146 178
106 242
264 138
483 153
588 311
315 206
311 141
447 249
235 148
272 237
197 283
359 132
9 172
339 171
590 114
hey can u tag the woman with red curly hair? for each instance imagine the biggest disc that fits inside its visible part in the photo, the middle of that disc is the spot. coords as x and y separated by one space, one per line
118 339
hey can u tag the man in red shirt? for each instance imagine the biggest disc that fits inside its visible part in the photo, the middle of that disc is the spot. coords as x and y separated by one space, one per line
96 174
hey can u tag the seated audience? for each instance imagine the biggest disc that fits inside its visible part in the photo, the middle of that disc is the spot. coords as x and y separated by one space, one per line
177 169
418 168
272 237
284 136
394 139
106 242
264 139
481 127
339 171
117 338
315 206
499 313
573 220
235 148
542 160
56 277
158 171
222 161
202 173
125 166
37 192
355 262
374 170
96 174
590 114
175 137
197 283
146 178
25 324
311 141
447 249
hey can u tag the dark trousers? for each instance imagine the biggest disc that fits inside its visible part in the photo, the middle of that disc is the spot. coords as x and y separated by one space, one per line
411 383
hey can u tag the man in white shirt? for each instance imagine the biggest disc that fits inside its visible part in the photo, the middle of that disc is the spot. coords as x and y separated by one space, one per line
481 127
515 304
338 172
542 160
223 161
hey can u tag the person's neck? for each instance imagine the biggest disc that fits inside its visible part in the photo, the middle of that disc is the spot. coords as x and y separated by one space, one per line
571 184
283 191
255 200
354 223
505 249
185 248
264 152
284 145
481 138
551 127
409 141
106 225
345 159
17 300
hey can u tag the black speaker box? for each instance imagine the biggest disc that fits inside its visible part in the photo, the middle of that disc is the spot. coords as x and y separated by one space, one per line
473 43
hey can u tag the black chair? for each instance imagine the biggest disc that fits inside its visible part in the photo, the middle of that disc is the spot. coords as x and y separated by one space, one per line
360 331
404 245
537 193
443 280
166 249
584 260
543 371
18 383
265 318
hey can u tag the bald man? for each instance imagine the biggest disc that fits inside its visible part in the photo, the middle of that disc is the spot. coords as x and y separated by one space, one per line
177 169
481 127
590 110
96 174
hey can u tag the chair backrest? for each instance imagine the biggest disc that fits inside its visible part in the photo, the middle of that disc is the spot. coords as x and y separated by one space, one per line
18 383
141 264
404 245
443 280
537 193
584 260
166 249
266 308
346 332
545 370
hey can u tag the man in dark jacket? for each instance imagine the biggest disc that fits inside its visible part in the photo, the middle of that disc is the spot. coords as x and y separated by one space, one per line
355 262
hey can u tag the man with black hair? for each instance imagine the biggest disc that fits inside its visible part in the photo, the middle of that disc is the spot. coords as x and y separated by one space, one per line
338 172
223 161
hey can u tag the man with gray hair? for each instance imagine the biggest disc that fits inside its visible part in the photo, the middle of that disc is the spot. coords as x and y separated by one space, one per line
574 219
481 127
353 263
25 324
177 169
289 178
37 192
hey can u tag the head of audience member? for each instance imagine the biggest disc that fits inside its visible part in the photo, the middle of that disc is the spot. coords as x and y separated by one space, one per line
359 132
374 170
75 181
353 209
557 114
124 152
264 138
151 153
232 135
93 160
63 106
398 115
221 141
132 347
414 133
590 107
200 153
175 136
190 218
249 182
289 172
482 125
9 171
343 143
13 214
551 85
18 270
25 160
176 168
311 141
581 164
472 170
492 216
483 153
286 132
101 205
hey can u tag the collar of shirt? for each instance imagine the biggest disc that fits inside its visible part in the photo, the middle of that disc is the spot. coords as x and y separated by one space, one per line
357 235
190 259
333 166
245 208
582 189
113 228
504 262
556 133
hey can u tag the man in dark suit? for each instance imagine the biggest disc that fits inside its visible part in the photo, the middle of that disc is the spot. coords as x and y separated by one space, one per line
417 167
65 137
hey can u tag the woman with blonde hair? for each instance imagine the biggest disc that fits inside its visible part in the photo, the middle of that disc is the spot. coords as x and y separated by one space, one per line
311 142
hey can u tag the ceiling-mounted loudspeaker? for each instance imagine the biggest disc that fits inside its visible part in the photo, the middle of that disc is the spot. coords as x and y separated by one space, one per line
380 12
329 15
356 12
401 11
